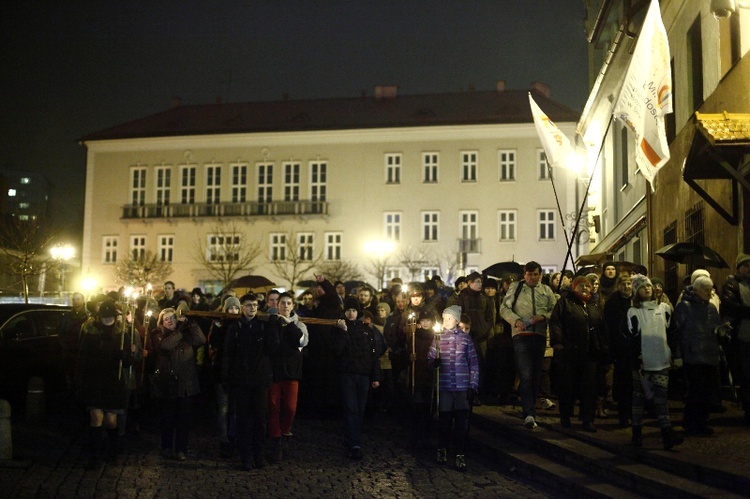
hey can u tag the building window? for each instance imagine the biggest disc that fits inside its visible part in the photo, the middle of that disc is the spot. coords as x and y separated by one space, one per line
213 184
430 167
187 184
469 230
695 64
469 166
278 247
137 246
393 226
393 168
546 225
239 183
507 162
291 182
265 182
507 225
333 246
543 170
25 180
694 224
163 184
318 180
671 284
138 186
223 247
430 223
166 248
109 249
549 269
305 246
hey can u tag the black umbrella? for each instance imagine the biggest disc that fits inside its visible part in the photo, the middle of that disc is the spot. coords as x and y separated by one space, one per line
692 254
502 269
254 283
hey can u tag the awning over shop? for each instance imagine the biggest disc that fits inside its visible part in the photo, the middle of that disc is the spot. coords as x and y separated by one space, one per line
720 143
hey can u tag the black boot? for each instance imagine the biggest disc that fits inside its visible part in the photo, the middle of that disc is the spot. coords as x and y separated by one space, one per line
95 445
113 444
670 438
637 438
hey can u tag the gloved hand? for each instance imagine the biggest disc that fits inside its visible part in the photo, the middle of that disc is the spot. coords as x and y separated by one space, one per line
273 311
436 363
471 395
677 363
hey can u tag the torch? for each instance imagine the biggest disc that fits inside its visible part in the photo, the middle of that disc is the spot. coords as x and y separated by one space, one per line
412 322
437 328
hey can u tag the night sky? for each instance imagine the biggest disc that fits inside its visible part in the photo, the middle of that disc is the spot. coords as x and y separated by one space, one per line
70 67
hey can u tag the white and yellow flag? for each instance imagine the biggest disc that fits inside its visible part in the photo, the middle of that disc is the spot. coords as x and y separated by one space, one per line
556 145
646 94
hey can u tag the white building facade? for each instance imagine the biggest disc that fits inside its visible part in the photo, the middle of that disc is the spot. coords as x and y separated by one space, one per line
448 178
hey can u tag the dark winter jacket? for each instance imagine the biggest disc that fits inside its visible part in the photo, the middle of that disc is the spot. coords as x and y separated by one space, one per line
357 350
576 326
176 354
247 352
103 350
696 320
615 310
286 361
479 308
732 308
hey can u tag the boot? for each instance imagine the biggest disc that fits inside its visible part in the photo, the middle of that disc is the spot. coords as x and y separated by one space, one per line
95 445
113 444
277 454
670 438
637 438
286 443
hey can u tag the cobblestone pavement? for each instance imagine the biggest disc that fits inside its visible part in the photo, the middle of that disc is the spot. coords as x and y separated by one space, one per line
50 462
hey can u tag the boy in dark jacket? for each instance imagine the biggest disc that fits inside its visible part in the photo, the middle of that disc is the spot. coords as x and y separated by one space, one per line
359 369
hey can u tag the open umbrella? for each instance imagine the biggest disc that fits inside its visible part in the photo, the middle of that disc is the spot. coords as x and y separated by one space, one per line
502 269
692 254
254 283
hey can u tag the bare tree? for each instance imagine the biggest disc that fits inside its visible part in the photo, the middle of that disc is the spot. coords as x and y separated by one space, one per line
296 262
139 271
24 245
226 252
376 267
414 259
449 264
340 270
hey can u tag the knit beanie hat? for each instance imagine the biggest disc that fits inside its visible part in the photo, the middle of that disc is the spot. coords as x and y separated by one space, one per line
657 281
703 282
742 258
385 307
230 302
639 280
108 309
699 273
453 311
351 302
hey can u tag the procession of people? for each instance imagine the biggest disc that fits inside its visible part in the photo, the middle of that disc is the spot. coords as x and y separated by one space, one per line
423 352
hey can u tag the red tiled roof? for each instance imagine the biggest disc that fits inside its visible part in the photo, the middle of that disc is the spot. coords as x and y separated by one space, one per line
466 108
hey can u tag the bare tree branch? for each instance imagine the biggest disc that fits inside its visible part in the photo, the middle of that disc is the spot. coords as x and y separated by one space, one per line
376 267
226 251
141 270
340 270
24 245
297 262
414 259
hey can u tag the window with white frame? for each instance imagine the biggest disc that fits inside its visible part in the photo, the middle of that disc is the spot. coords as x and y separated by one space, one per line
137 246
239 183
393 168
163 180
291 181
469 224
166 248
506 225
543 171
213 184
305 245
265 182
546 221
318 179
138 185
187 184
391 273
549 269
469 160
223 247
392 222
333 246
278 247
507 162
109 249
430 167
430 224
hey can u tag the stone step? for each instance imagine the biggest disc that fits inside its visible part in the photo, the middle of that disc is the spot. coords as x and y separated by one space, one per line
588 462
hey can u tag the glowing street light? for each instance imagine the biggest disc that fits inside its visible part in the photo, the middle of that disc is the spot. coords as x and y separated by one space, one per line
62 253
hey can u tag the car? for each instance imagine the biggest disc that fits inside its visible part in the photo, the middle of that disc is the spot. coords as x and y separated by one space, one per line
30 345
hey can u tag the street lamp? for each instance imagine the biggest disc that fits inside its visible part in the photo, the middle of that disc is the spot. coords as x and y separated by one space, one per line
62 253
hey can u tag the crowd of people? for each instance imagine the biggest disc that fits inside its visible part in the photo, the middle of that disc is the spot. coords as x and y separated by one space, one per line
606 341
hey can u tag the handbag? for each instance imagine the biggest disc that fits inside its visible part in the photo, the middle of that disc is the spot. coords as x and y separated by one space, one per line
164 383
